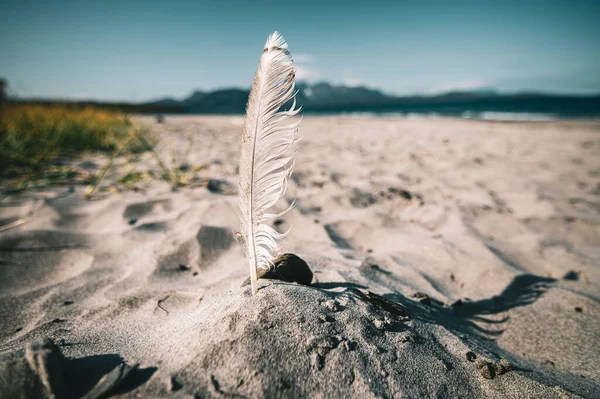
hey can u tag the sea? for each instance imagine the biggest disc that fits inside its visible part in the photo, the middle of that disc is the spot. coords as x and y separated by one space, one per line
502 109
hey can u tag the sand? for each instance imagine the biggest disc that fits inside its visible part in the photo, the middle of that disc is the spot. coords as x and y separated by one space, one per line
451 259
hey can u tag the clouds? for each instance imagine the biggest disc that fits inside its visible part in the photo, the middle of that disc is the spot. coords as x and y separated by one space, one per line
306 73
303 58
305 68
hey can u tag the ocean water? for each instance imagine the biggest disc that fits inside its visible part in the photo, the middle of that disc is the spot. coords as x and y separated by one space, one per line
474 115
493 109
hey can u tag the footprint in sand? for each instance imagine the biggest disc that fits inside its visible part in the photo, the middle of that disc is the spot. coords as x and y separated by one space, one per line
41 258
209 244
141 209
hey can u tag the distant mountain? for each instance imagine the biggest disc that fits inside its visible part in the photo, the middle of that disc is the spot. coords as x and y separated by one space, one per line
326 98
317 96
196 97
324 94
165 102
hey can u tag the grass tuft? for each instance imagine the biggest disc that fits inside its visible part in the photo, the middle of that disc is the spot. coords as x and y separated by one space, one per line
32 136
38 141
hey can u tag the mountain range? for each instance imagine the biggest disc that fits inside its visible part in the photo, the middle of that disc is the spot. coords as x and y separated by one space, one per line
327 98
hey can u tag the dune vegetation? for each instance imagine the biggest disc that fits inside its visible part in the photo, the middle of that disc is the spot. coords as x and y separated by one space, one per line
35 137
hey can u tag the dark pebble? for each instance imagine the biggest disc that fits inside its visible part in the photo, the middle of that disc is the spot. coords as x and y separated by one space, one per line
471 356
571 275
487 371
502 367
221 187
286 267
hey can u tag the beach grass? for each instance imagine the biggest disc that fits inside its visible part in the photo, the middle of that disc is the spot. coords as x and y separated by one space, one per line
34 137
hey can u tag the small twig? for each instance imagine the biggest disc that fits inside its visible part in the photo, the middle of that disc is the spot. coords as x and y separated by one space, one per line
36 205
149 147
81 171
13 224
160 301
175 169
190 145
92 189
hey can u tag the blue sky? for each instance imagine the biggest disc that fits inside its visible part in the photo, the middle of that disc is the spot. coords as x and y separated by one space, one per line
140 50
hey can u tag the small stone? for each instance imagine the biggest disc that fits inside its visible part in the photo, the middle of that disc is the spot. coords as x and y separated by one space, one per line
221 187
571 275
502 367
67 303
487 371
471 356
578 309
481 363
183 267
286 267
132 221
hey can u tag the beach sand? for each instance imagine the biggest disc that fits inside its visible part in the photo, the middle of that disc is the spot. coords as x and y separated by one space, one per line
451 259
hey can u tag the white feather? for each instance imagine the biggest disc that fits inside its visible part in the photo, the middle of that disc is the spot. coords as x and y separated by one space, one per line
267 155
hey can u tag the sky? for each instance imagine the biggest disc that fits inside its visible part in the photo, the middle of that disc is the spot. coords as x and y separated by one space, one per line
141 50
